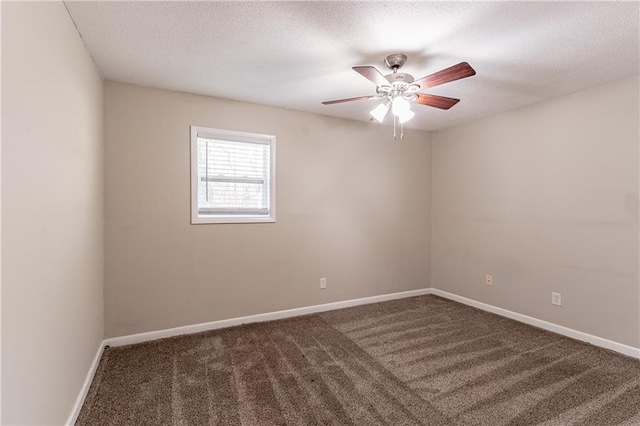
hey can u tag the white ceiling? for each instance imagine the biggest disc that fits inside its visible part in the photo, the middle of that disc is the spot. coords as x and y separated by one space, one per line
297 54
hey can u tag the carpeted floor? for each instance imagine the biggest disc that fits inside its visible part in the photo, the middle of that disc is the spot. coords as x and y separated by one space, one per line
418 361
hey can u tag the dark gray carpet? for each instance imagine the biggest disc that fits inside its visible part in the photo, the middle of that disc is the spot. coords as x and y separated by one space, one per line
418 361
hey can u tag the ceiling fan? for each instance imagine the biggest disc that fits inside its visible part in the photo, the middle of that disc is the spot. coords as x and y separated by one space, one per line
399 90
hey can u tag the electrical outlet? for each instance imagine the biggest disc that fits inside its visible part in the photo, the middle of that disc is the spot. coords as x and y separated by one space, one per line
556 299
323 283
489 280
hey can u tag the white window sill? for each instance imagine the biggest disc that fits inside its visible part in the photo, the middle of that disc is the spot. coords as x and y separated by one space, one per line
199 220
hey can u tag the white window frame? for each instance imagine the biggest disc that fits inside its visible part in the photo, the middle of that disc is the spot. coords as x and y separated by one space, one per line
233 135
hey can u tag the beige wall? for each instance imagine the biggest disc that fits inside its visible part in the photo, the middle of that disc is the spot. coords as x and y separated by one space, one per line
352 206
52 227
545 198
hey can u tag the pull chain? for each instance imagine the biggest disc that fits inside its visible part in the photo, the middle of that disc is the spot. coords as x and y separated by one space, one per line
394 127
401 131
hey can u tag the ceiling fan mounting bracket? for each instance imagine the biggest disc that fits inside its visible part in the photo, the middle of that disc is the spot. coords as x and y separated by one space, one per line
395 61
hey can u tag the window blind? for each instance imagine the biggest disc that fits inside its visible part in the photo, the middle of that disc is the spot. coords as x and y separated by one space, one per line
233 177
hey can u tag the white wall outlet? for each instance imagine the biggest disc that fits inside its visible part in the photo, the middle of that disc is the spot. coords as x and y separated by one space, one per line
323 283
489 280
556 299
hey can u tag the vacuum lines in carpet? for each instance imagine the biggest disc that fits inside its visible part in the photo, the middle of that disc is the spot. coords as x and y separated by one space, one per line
417 361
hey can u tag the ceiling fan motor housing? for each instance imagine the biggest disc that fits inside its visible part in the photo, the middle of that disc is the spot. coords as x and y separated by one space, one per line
401 85
399 78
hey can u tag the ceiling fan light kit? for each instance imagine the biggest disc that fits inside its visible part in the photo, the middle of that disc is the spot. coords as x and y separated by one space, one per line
400 106
380 112
398 90
408 115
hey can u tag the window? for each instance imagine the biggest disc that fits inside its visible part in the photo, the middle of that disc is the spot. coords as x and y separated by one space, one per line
232 176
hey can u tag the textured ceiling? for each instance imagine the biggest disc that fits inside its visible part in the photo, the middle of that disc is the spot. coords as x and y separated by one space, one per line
297 54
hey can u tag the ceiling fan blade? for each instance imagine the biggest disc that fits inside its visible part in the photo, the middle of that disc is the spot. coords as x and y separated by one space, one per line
372 74
436 101
456 72
339 101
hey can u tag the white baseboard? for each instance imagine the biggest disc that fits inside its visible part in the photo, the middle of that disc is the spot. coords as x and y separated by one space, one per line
565 331
77 406
197 328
